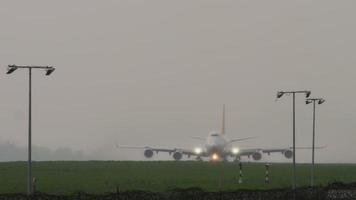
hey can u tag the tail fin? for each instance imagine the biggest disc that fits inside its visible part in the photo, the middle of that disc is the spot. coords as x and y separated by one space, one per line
223 121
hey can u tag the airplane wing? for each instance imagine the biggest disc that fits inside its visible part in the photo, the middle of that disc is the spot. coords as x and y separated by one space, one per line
281 150
240 139
244 152
177 152
256 153
146 147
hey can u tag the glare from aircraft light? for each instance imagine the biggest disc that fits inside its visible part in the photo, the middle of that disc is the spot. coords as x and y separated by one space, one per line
215 156
235 150
198 150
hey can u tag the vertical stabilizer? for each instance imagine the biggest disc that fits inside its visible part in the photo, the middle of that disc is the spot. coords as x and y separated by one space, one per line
223 121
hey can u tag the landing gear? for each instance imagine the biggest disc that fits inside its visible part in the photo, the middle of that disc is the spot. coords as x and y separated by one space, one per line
225 159
199 159
237 159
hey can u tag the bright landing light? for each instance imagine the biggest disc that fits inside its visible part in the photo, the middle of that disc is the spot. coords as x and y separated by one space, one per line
198 150
235 150
215 156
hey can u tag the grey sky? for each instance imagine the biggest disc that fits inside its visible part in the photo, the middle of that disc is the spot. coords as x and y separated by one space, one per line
157 72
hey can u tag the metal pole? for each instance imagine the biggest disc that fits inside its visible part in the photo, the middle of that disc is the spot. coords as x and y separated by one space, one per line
294 168
29 186
240 172
49 70
313 147
267 173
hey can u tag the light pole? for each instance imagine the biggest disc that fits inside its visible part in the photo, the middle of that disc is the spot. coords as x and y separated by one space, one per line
308 101
279 95
49 70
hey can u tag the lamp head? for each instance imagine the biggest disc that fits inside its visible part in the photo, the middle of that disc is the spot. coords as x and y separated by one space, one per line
11 68
49 71
279 94
307 93
321 101
308 101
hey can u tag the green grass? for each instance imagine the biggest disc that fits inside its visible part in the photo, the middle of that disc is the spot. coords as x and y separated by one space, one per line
103 176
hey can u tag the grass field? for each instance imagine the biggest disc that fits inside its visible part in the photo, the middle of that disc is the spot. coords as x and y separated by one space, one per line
103 176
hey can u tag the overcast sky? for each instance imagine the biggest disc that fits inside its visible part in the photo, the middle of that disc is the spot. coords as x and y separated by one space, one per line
156 72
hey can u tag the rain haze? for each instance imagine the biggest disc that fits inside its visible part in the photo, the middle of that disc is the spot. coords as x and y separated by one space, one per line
157 72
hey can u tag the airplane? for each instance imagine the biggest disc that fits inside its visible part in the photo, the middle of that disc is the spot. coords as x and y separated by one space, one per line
217 148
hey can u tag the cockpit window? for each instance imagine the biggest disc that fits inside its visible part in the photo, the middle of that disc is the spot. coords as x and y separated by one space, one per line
215 134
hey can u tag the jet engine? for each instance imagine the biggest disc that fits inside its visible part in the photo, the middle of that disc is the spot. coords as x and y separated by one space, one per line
177 155
257 156
288 154
148 153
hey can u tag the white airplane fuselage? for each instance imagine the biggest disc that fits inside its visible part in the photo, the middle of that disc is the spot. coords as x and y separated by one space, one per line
215 145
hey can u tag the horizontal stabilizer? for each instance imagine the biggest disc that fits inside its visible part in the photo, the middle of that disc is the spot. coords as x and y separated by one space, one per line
240 139
130 147
198 138
319 147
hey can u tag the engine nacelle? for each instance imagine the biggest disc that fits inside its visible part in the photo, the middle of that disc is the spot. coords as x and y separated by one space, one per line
148 153
177 155
257 156
288 154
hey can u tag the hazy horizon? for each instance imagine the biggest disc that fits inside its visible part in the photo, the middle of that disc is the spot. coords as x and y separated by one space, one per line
155 73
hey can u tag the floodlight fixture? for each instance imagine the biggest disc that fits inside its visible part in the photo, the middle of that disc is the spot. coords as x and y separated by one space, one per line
50 70
11 68
318 100
307 94
279 94
321 101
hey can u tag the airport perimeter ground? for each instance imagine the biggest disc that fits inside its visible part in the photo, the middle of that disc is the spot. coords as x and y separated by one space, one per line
66 177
